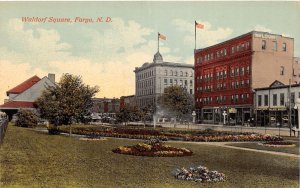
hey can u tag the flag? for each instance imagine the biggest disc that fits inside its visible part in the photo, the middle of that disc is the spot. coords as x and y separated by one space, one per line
199 26
162 37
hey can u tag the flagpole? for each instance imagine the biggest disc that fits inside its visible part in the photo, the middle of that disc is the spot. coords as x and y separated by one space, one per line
158 42
195 34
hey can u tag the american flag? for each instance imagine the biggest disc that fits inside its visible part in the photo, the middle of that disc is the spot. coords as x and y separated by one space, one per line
199 26
162 37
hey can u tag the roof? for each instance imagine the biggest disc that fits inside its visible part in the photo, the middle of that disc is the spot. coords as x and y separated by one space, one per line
17 104
163 64
24 85
238 37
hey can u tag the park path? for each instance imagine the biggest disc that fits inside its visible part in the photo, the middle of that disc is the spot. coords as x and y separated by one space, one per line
224 144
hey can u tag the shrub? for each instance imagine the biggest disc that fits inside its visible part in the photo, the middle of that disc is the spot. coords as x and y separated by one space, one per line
26 118
53 130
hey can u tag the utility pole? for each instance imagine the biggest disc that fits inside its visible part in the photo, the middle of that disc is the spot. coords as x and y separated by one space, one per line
290 111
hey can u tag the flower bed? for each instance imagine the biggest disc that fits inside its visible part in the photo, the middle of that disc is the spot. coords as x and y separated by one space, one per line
196 136
153 149
277 144
199 174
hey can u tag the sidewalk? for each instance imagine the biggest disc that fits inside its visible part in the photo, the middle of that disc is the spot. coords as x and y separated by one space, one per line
237 128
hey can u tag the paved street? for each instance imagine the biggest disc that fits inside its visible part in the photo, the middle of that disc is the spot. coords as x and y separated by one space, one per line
262 130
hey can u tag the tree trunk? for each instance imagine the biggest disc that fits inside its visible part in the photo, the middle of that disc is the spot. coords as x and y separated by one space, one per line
70 130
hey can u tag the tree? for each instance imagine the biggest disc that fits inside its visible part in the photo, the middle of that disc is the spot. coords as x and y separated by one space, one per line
26 118
177 100
68 101
125 115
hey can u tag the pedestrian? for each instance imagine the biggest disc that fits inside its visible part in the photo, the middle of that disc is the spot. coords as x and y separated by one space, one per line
294 128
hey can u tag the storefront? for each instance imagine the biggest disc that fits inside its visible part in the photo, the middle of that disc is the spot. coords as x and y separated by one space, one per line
238 115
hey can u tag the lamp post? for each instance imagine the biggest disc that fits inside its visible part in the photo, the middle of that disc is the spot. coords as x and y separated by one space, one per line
297 106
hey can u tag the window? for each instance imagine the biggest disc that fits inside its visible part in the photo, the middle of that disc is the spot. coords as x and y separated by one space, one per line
225 51
225 74
185 82
238 48
236 84
247 45
171 72
232 72
211 56
292 97
243 46
281 70
191 83
236 98
242 71
171 81
248 69
274 99
181 83
242 98
266 100
284 47
259 100
181 73
175 82
247 83
232 49
186 74
264 45
274 45
242 83
191 91
232 98
232 85
166 72
218 55
217 75
281 99
236 71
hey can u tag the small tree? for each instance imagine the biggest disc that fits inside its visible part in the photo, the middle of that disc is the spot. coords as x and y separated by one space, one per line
125 115
26 118
68 101
177 100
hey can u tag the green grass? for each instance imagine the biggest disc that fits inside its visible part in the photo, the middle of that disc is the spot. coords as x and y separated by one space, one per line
33 159
292 150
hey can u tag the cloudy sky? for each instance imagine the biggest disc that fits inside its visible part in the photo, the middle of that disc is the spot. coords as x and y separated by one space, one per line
105 54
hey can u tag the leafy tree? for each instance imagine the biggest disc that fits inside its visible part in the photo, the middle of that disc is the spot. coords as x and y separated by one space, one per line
125 115
26 118
68 101
177 100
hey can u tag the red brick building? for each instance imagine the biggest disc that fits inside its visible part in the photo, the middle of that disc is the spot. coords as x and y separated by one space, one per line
227 73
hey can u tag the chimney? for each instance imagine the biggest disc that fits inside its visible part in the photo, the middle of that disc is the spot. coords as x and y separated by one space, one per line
51 77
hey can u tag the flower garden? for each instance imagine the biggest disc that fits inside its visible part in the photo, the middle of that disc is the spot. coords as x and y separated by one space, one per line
207 135
153 148
199 174
277 144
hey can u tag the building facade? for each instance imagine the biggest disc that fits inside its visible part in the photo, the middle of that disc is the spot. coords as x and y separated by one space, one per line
127 101
25 94
152 78
105 107
227 73
275 105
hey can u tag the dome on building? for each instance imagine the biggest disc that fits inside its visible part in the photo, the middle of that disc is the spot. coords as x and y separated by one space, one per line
157 58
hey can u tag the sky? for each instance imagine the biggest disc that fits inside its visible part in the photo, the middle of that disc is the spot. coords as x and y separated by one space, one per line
106 53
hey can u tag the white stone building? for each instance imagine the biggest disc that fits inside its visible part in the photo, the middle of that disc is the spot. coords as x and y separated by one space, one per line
152 78
274 105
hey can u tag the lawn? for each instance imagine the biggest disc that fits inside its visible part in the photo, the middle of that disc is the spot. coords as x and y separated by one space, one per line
34 159
292 150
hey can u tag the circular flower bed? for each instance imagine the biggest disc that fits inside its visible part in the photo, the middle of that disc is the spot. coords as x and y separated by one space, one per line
153 148
199 174
277 144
